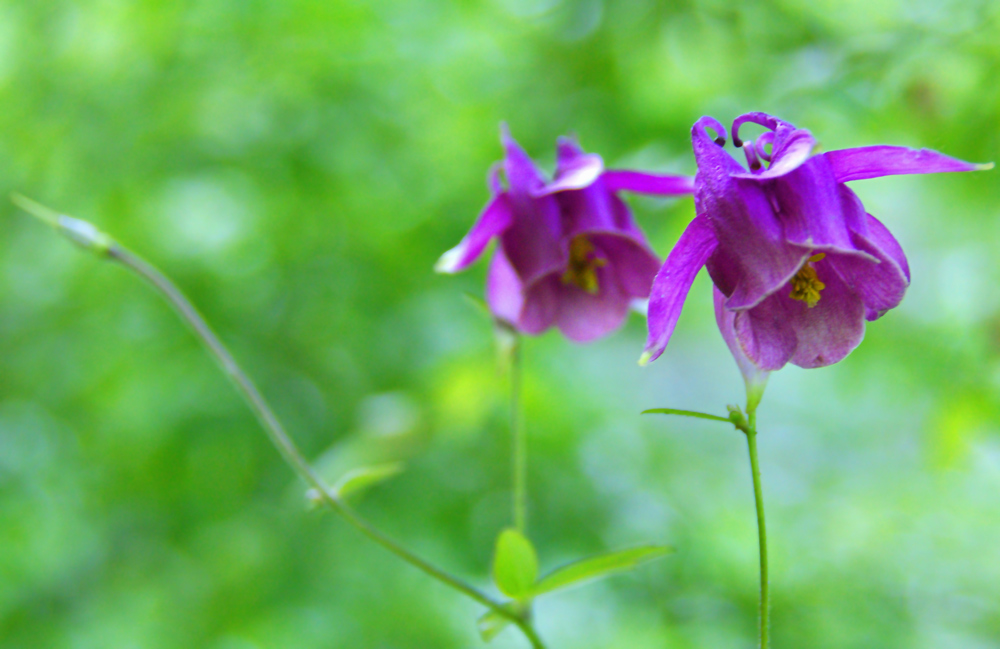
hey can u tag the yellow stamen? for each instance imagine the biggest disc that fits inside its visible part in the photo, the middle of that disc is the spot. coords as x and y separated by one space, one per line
806 285
583 265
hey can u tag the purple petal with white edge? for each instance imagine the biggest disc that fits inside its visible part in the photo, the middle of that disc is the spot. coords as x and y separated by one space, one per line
883 160
632 262
672 283
574 169
754 377
585 316
504 291
641 182
789 150
494 219
880 285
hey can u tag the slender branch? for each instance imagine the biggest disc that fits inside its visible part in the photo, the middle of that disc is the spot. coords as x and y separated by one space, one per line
518 440
765 598
686 413
87 236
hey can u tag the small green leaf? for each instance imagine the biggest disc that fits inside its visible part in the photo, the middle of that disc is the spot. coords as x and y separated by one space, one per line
685 413
515 564
363 478
597 567
490 624
479 304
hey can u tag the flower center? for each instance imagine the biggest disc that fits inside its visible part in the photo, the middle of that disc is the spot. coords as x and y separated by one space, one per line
583 265
806 285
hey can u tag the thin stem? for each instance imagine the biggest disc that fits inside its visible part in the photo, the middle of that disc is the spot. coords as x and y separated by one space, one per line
287 447
765 603
519 441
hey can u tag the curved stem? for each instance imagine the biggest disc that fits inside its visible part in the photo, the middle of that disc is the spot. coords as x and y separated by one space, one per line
519 441
289 451
765 603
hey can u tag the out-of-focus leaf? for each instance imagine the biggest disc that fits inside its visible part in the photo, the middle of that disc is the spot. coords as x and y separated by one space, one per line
515 564
479 304
597 567
491 624
357 481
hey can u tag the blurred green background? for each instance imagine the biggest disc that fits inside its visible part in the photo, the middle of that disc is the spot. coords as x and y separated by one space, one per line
298 166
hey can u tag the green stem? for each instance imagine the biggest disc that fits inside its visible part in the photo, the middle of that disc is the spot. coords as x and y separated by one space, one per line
519 441
765 603
88 237
272 425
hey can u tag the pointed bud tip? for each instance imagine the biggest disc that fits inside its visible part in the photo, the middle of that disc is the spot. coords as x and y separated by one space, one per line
447 264
986 166
645 358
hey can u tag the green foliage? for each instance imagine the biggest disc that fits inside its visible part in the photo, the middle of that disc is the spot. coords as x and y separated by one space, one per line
515 564
490 624
298 167
357 481
597 567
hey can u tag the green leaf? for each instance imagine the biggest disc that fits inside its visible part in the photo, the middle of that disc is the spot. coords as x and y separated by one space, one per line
479 304
515 564
363 478
685 413
490 624
598 567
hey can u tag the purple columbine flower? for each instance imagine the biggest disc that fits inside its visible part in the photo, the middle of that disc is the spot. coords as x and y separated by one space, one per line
569 252
798 264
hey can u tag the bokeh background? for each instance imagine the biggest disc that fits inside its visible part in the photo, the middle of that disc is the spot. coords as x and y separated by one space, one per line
298 166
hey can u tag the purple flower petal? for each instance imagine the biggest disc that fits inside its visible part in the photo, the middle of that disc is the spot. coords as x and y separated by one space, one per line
494 219
523 177
633 263
504 291
673 282
541 305
781 329
753 259
753 376
790 146
880 285
592 209
765 335
832 329
817 212
647 183
574 169
882 160
584 316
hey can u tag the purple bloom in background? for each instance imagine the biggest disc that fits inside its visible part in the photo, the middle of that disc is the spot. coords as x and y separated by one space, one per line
569 252
798 264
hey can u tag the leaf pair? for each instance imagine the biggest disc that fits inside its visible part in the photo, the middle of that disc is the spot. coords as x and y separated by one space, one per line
515 572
